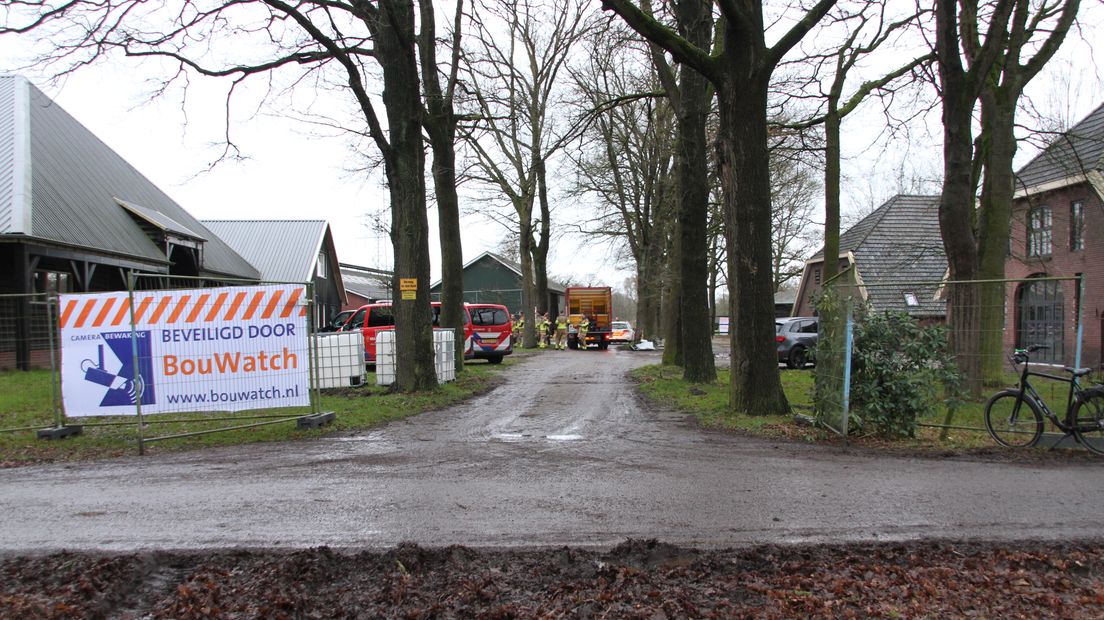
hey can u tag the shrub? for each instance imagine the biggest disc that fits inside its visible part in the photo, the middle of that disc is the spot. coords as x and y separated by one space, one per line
900 372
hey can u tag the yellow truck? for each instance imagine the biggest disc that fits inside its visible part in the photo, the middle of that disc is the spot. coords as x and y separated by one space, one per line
596 304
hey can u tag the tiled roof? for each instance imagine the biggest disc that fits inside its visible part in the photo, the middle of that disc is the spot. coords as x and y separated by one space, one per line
1073 153
898 250
71 182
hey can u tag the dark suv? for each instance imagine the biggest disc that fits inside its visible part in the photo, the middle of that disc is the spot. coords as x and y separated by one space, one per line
796 338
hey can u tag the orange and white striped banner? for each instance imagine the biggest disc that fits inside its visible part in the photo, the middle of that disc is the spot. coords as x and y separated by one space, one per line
224 349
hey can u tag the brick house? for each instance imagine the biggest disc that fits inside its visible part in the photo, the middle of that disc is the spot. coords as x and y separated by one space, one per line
1057 231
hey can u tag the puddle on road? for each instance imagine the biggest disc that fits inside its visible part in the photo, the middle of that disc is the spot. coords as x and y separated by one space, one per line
369 437
513 437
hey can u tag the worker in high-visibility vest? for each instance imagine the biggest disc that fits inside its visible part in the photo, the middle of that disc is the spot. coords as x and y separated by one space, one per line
584 325
519 328
542 325
561 332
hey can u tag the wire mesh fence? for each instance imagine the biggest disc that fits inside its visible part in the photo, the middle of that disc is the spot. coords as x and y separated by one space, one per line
926 353
224 349
26 340
29 343
207 354
511 298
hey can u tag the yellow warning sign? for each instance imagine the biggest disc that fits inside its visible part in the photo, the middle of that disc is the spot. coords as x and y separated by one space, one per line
410 294
408 284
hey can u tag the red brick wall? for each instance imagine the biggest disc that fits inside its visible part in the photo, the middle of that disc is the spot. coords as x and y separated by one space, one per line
355 301
1063 262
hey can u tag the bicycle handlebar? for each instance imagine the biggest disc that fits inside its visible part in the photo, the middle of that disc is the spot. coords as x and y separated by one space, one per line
1020 356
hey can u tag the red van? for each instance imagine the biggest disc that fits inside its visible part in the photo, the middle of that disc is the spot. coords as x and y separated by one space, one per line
488 332
487 329
370 320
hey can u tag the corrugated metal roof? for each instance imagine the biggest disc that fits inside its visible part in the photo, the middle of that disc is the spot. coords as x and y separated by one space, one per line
76 179
366 282
7 152
282 250
1074 153
159 220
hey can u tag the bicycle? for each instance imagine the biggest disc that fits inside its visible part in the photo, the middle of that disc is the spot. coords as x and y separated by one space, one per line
1012 424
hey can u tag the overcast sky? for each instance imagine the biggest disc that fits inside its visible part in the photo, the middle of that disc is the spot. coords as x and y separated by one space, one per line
293 172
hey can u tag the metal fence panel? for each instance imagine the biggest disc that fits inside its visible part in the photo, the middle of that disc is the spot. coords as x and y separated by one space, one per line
984 322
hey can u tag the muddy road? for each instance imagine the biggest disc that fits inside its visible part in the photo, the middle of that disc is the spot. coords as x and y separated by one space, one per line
561 454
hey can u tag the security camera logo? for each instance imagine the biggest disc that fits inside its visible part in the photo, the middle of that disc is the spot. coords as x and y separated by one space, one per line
124 385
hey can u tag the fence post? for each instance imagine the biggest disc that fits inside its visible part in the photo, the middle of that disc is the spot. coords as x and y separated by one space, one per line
312 350
139 381
847 341
51 325
1080 325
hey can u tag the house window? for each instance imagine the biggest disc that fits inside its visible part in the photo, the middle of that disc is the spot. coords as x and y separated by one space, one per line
51 282
320 271
816 275
1041 312
1077 226
1038 232
911 300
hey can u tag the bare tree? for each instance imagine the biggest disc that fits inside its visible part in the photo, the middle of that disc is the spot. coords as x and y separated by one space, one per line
440 121
980 49
519 49
869 26
328 41
624 163
793 190
690 94
740 71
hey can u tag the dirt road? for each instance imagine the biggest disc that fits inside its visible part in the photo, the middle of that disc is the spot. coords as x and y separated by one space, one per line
563 453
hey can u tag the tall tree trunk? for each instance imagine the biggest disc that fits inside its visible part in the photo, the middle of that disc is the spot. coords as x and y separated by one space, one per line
956 201
405 169
831 192
529 336
647 296
692 170
994 227
440 122
956 223
540 249
452 255
756 387
713 277
672 318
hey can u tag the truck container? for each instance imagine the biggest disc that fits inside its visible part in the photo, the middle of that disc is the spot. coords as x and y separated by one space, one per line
595 303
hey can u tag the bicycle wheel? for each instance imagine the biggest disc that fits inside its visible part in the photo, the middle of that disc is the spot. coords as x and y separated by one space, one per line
1009 427
1088 415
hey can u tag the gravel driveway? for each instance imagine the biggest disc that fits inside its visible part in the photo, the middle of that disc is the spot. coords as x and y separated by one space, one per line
562 453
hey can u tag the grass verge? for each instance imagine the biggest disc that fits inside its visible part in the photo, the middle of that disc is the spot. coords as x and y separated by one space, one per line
709 405
25 399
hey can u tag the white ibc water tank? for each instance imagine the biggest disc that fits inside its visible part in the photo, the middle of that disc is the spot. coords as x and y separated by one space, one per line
340 360
443 340
444 358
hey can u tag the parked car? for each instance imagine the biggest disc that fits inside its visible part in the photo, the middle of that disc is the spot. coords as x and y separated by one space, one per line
369 320
336 323
622 332
488 331
796 338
